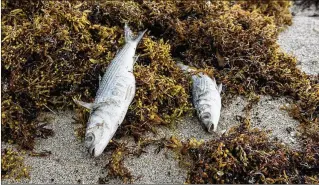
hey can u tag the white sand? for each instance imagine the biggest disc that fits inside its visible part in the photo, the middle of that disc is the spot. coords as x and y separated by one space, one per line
70 162
302 40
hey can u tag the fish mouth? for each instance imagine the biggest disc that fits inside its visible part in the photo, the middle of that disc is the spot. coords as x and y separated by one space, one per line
95 144
211 127
95 151
91 151
89 143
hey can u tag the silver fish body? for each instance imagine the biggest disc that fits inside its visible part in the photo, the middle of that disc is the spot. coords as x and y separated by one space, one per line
206 98
113 98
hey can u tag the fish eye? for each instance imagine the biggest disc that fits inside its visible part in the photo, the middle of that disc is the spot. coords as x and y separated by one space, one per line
89 138
206 116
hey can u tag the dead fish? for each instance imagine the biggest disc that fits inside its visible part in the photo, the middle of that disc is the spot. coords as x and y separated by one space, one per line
206 98
115 94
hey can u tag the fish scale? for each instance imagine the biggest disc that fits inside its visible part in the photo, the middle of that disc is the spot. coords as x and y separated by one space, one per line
114 68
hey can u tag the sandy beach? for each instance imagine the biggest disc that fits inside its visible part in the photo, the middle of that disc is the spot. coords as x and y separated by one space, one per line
70 163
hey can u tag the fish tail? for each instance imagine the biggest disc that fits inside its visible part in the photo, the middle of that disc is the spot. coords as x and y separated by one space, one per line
140 36
129 35
214 82
184 68
218 87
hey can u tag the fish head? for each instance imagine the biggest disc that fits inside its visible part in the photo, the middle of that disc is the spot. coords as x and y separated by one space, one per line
209 116
98 133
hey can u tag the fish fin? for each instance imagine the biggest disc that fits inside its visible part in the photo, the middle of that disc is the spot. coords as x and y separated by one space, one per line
183 67
84 104
220 87
135 59
100 79
129 35
223 131
140 36
130 93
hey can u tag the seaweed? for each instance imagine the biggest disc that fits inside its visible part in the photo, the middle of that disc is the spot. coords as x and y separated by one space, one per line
12 165
278 10
115 166
162 93
53 51
247 155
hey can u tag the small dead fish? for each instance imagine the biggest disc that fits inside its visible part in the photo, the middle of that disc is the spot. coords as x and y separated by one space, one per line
115 94
206 98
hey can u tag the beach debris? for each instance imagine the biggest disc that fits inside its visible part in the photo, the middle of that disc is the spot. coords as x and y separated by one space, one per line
206 98
115 94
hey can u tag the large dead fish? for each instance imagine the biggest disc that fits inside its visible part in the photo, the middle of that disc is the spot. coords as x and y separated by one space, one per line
206 98
115 94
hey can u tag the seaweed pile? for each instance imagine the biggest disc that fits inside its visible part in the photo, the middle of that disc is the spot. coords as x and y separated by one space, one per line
54 51
247 155
57 54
